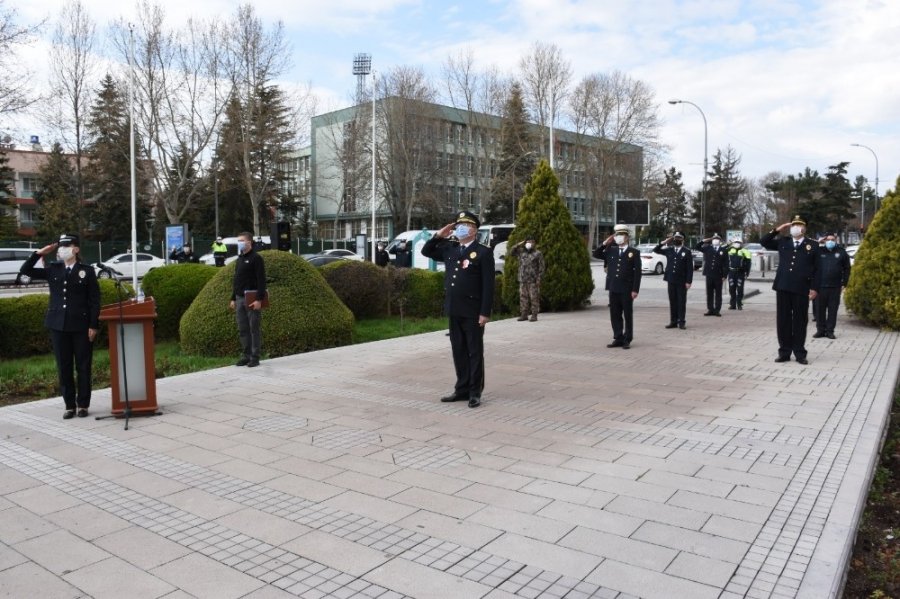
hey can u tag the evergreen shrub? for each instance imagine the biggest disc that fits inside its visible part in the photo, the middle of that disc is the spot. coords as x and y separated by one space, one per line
362 286
173 288
305 314
418 292
873 293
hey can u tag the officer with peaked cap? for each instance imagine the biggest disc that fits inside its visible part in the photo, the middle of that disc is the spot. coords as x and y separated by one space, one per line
72 318
795 285
468 300
679 275
715 269
623 281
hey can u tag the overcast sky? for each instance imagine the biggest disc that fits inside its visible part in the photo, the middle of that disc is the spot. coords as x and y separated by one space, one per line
787 83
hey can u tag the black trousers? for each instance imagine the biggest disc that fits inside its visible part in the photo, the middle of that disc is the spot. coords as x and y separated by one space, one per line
677 303
736 287
467 343
621 315
69 347
792 314
828 301
248 322
714 294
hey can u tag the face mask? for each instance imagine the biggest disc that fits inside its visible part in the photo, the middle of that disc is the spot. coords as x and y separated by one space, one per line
619 239
461 231
677 242
736 245
528 246
830 244
65 253
380 247
796 231
242 246
716 243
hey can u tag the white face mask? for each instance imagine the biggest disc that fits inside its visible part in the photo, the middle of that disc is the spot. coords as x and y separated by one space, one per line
796 230
65 253
715 243
528 246
619 239
736 244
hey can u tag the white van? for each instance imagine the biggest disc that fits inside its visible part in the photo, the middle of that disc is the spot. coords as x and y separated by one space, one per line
418 260
491 235
231 244
11 260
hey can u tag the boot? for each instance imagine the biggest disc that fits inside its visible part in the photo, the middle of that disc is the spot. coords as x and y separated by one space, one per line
533 317
523 317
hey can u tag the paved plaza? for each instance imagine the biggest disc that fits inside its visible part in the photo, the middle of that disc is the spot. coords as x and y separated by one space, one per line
690 466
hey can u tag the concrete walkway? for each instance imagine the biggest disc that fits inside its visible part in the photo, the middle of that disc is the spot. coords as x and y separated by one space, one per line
690 466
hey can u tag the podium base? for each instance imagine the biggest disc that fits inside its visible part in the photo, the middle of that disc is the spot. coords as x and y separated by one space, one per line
132 414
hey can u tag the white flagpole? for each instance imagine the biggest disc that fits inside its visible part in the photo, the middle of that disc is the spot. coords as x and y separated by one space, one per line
134 248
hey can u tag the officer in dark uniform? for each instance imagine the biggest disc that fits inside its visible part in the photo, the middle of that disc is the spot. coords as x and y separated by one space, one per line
623 281
715 269
679 275
795 285
832 275
381 255
468 300
403 255
72 318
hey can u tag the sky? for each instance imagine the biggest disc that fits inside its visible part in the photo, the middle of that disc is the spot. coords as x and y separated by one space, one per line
788 84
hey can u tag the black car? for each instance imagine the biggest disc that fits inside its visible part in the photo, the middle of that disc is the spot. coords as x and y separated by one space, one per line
319 260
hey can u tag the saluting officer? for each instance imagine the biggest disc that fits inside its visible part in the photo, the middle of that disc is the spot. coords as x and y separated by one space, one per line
468 300
832 276
679 275
73 317
623 281
795 284
715 269
739 262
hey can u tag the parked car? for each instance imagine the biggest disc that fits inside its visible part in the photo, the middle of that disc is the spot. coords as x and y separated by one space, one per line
492 235
851 251
121 264
11 260
319 260
650 262
697 256
500 256
346 254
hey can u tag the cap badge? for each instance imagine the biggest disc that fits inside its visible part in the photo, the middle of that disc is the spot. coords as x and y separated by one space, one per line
462 214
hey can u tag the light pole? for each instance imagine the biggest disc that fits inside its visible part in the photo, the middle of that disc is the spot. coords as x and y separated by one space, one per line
362 66
877 199
705 165
216 182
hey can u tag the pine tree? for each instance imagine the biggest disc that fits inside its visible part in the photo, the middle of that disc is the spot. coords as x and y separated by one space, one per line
515 162
724 192
8 225
828 208
670 205
567 283
57 197
873 293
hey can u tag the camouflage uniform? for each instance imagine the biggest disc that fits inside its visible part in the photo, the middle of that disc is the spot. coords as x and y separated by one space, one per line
531 267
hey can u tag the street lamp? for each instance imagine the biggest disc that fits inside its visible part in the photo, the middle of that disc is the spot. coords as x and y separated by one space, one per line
877 199
362 66
705 169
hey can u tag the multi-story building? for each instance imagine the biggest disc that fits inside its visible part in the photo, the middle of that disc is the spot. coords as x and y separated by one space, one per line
434 160
26 164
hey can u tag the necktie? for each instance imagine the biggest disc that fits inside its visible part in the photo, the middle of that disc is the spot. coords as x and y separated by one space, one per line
68 270
621 251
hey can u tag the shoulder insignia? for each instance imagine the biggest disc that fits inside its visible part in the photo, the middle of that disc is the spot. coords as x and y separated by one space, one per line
473 255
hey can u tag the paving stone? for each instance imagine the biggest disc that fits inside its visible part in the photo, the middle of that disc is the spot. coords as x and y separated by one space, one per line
61 551
543 555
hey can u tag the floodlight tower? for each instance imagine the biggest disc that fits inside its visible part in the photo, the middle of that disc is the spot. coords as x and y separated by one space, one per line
362 67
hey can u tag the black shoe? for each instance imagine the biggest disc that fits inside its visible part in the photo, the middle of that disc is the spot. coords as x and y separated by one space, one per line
740 306
682 326
783 359
82 412
453 397
731 307
242 362
475 401
803 361
709 313
68 414
626 345
672 325
818 335
614 344
830 336
253 363
521 318
717 314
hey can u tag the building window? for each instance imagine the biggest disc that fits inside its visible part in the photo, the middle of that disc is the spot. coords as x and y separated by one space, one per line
30 185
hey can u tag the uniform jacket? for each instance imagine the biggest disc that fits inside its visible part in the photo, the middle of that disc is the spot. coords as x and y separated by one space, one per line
468 276
403 257
381 257
531 264
715 260
796 266
679 264
740 260
623 274
833 269
74 299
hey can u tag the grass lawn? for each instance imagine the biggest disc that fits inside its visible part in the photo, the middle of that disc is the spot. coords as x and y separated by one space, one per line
34 377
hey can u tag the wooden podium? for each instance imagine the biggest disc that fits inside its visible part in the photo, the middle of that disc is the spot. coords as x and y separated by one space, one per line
136 318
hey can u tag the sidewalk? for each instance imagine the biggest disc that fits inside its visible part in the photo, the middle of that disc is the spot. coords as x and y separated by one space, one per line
690 466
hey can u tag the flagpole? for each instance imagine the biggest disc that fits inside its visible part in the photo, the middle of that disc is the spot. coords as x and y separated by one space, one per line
134 248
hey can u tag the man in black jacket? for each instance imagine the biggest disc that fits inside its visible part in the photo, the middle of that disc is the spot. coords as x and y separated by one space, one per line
715 269
795 285
403 255
679 276
249 275
832 275
72 318
623 281
468 300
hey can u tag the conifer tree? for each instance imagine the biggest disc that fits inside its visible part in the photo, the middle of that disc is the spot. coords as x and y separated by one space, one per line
57 197
8 225
515 162
567 283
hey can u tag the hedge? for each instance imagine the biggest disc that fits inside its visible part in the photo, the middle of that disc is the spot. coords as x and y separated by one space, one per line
361 286
173 288
305 314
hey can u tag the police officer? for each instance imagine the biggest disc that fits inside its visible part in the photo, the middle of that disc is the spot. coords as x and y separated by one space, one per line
623 281
468 300
403 255
531 269
795 285
381 256
739 262
188 256
72 317
832 275
679 275
219 251
715 269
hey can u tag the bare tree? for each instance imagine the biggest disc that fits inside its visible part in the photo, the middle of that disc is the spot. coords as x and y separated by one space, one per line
759 202
73 70
545 80
15 90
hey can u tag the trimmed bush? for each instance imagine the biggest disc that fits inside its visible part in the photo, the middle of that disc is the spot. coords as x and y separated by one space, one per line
173 288
873 293
362 286
418 292
305 314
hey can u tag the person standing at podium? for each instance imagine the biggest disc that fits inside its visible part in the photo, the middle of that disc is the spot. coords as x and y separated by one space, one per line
73 318
249 275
